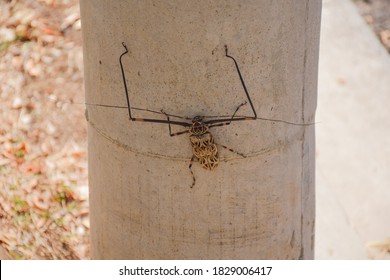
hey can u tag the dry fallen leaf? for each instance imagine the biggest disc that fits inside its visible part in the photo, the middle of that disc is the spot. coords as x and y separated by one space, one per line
385 37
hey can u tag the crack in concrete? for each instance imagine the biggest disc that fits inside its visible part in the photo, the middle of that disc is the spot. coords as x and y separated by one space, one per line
126 147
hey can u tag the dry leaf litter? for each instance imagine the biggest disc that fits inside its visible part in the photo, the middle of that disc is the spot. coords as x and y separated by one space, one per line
43 165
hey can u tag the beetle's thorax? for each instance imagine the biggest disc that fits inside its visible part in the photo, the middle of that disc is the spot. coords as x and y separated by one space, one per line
198 127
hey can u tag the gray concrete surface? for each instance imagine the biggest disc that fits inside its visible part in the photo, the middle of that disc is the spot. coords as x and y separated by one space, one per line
353 139
149 205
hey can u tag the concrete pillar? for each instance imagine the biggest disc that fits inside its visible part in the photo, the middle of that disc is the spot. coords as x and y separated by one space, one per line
258 207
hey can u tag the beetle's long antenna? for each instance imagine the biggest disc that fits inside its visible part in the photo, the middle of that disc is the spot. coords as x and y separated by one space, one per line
242 81
124 79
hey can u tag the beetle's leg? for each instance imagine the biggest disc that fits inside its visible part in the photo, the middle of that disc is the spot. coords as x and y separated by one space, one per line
233 151
192 173
227 123
170 129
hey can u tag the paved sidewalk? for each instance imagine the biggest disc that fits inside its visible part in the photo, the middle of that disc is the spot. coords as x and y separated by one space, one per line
353 137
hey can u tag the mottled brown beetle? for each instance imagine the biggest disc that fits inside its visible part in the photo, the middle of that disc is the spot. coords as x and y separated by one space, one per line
204 148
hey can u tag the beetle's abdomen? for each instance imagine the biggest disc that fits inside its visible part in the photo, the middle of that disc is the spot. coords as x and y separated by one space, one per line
205 150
